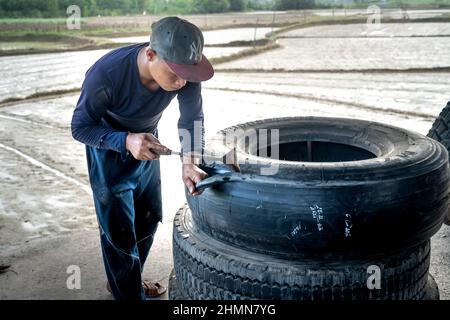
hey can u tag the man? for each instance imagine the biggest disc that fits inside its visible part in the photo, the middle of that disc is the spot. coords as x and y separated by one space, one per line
122 99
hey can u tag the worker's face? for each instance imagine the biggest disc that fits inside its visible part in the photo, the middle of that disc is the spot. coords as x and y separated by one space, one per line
162 73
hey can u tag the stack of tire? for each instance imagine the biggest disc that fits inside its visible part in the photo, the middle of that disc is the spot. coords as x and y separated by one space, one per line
440 132
347 215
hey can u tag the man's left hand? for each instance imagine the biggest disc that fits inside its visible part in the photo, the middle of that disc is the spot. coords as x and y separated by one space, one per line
191 175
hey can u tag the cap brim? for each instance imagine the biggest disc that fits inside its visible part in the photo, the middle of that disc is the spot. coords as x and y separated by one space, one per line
199 72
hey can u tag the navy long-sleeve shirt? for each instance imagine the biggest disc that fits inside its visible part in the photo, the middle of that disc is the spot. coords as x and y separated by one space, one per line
114 101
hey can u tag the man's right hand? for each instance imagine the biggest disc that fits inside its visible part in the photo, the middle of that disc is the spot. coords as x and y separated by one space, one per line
145 146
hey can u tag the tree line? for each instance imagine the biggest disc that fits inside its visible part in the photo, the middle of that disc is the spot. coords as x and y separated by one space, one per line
57 8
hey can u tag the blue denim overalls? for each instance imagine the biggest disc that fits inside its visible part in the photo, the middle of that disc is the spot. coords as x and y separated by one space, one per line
127 198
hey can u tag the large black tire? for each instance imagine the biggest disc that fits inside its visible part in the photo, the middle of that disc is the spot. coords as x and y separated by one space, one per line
209 269
440 129
397 198
174 289
440 132
431 289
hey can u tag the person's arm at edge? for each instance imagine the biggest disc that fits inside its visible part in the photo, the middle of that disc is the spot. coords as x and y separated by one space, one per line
191 125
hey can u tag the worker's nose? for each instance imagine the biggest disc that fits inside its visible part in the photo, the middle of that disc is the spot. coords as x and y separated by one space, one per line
179 83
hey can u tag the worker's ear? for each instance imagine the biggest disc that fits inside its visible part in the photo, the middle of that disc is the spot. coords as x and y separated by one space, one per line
151 54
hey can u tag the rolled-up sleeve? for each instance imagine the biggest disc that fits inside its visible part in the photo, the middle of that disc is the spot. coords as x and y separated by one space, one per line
95 99
191 123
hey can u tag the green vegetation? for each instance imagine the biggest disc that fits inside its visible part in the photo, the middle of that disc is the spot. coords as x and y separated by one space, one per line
412 4
57 8
40 26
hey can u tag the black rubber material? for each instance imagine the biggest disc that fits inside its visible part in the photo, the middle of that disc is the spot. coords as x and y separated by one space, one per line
440 132
210 269
174 290
431 289
398 198
440 129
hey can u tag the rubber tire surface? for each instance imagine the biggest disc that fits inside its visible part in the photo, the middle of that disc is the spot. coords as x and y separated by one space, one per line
339 209
174 289
209 269
440 132
431 289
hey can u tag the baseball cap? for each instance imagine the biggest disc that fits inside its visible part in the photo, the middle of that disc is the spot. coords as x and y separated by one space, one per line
180 44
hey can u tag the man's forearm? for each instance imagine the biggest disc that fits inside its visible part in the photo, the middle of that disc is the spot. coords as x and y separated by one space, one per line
100 137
